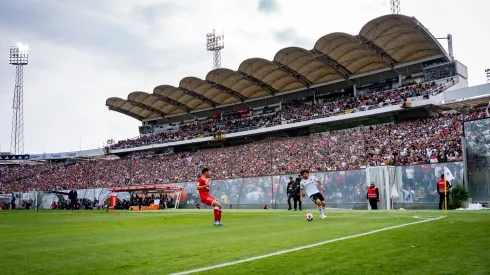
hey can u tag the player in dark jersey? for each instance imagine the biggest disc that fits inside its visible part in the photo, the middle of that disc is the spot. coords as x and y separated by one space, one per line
206 198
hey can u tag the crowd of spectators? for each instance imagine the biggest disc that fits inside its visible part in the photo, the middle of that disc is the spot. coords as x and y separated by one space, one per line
420 181
10 173
477 135
440 71
289 113
429 140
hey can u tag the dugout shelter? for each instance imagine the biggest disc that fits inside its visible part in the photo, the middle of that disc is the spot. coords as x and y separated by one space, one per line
174 191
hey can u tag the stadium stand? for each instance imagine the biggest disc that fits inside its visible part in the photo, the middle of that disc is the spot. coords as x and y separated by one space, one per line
380 66
420 141
306 110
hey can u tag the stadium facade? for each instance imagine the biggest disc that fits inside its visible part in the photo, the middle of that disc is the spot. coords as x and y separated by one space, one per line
389 51
389 47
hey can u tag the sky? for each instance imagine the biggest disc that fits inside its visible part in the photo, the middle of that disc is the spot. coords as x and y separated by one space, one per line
82 52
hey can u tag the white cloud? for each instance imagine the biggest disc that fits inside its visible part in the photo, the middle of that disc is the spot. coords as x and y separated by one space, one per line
292 37
83 52
268 6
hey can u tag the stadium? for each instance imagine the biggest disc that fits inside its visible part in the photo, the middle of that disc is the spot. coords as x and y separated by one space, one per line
388 105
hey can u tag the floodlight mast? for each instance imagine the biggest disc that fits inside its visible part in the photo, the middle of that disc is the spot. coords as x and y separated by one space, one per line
395 6
18 57
215 43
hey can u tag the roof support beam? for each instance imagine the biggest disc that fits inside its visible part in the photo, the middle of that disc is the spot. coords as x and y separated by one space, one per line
397 36
173 102
400 48
419 51
259 83
227 90
385 32
327 60
209 101
388 59
125 112
370 63
293 73
148 108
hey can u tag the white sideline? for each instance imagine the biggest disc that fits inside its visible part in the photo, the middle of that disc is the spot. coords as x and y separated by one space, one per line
301 247
423 218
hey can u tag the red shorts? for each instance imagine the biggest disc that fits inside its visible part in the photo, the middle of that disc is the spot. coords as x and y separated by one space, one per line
208 200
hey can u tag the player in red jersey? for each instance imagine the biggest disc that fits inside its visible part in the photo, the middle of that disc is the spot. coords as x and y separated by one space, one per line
206 198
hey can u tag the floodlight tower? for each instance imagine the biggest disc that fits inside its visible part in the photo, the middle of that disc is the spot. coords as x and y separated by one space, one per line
215 43
395 6
19 58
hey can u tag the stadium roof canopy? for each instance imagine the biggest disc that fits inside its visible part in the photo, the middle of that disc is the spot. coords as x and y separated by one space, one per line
382 43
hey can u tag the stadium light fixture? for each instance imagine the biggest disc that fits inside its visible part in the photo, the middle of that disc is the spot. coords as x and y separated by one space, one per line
215 43
18 54
487 71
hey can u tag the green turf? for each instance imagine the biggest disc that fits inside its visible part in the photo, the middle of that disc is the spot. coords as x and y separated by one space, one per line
164 242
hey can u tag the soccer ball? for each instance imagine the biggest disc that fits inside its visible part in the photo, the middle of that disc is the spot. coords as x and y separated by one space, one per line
309 217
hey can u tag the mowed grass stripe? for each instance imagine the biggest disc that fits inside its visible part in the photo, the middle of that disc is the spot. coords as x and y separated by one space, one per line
455 245
138 242
300 248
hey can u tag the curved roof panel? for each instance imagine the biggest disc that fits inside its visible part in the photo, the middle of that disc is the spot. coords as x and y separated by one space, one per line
203 88
148 102
268 73
401 37
235 82
349 52
125 107
382 43
303 62
164 92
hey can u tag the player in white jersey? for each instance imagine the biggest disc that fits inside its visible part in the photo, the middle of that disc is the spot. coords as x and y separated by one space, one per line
309 184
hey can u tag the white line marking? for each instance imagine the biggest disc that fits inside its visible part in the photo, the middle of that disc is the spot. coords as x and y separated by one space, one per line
423 218
301 248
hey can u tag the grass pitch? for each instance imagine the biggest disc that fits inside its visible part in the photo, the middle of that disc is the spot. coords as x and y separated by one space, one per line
166 242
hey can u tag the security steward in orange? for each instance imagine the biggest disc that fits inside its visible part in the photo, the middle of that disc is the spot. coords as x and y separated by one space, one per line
441 184
373 196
